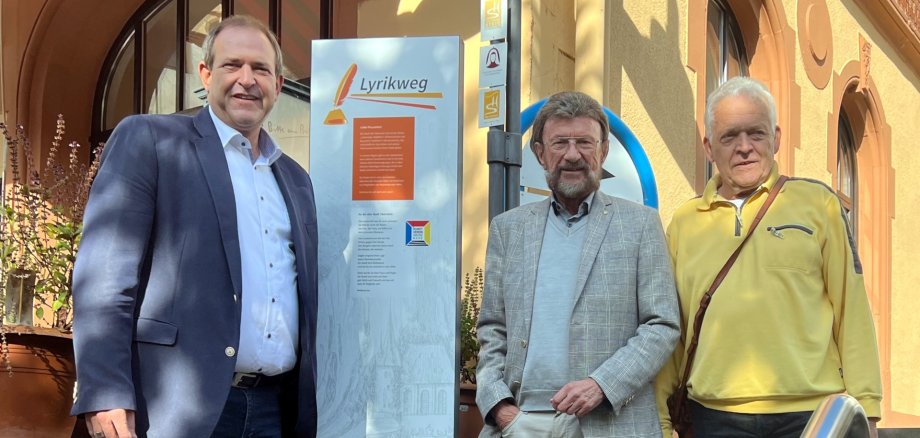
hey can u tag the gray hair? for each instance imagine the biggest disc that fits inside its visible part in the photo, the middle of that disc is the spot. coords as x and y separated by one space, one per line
740 86
244 21
568 105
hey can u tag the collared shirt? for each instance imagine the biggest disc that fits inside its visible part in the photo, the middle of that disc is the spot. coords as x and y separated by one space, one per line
268 326
559 213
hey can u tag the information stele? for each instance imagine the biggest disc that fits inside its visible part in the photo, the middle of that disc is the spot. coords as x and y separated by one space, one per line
385 160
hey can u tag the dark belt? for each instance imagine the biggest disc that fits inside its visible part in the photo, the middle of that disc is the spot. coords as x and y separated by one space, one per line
255 380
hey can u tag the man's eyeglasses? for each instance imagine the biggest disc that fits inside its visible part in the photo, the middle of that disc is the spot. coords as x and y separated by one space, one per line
585 144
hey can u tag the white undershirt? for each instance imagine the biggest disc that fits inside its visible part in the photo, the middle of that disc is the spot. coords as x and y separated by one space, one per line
268 327
738 202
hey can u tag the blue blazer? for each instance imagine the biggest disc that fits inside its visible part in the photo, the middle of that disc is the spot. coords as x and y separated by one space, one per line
158 282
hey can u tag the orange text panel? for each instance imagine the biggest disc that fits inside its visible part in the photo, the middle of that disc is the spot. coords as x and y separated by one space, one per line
383 165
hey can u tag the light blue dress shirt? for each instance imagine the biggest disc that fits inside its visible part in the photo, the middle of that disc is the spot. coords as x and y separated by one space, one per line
268 326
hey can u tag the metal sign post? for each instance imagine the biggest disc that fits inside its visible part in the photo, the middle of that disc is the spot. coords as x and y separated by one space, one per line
503 151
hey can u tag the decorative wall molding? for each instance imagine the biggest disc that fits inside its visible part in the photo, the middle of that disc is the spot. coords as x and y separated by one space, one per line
910 10
865 59
899 22
816 42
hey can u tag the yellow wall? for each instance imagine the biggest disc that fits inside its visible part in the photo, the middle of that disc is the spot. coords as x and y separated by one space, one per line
899 90
634 56
899 93
650 86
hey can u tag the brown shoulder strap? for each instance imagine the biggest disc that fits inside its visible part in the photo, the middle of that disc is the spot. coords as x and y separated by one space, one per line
707 297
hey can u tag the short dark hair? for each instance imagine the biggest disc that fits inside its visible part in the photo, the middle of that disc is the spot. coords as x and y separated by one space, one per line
569 105
241 21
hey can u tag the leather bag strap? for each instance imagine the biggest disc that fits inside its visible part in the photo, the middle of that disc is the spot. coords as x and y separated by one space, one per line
707 297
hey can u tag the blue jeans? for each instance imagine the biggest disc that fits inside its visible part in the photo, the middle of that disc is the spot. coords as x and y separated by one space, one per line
251 413
710 423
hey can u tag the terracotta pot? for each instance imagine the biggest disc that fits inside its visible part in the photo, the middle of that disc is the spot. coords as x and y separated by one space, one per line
35 400
470 420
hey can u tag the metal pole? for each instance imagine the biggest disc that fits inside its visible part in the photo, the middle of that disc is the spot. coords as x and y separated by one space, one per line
513 145
495 156
503 150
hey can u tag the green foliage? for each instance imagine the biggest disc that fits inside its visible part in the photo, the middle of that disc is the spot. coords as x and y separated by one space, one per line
41 221
469 316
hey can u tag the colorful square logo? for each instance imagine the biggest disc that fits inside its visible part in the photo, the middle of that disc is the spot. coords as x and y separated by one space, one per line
418 233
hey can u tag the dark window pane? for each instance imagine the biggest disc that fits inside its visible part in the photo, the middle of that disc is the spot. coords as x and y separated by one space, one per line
202 15
300 25
847 177
713 48
119 93
160 58
734 60
725 56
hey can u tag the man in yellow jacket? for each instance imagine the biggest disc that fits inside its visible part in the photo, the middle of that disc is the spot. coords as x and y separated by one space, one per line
791 323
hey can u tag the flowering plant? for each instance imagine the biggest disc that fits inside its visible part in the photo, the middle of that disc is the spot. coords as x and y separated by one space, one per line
469 315
40 226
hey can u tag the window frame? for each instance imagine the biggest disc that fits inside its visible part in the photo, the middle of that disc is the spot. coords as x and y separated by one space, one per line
847 169
728 27
135 30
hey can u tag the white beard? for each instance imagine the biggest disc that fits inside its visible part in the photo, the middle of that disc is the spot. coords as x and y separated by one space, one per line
579 190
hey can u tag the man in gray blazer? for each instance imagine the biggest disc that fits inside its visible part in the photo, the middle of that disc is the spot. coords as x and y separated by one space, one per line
195 284
579 310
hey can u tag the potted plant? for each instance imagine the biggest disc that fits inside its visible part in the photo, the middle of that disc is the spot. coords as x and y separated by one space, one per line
40 228
470 419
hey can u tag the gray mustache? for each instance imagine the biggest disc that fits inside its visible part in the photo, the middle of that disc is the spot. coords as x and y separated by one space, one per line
571 168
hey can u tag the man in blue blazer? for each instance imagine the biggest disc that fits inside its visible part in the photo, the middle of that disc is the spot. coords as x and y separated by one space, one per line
195 285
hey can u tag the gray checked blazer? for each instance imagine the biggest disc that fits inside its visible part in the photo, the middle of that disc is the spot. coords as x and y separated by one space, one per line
623 328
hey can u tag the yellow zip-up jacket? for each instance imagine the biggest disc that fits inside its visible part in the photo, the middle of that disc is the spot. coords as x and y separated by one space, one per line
790 323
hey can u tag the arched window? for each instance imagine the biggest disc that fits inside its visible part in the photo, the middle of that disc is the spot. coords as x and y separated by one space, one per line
731 38
859 159
153 65
725 55
847 177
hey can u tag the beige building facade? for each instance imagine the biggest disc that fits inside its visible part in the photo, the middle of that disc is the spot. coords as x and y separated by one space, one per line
846 75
